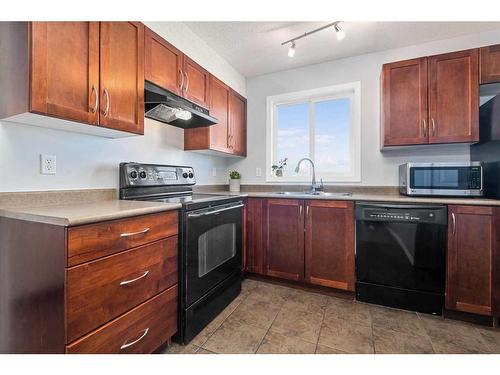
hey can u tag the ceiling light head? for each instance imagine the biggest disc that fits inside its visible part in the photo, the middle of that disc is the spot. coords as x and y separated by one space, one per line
339 33
291 50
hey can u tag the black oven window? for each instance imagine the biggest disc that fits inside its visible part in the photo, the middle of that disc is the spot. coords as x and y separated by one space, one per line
215 247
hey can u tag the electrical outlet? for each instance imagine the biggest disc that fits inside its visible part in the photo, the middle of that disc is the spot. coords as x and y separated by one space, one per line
258 172
47 164
214 172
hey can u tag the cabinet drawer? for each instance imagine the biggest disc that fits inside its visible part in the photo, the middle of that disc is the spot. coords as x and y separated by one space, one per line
89 242
141 330
99 291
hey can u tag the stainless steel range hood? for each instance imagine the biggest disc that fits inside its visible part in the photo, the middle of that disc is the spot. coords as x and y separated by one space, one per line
164 106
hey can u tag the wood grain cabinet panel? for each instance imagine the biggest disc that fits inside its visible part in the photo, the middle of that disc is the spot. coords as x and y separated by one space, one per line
122 76
469 264
404 103
237 124
329 244
163 63
140 331
99 291
285 238
490 64
255 231
454 97
197 84
92 241
64 60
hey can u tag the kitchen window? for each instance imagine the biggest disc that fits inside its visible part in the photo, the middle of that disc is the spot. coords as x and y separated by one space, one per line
321 124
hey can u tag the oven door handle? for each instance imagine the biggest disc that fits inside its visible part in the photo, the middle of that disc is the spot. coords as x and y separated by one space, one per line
207 213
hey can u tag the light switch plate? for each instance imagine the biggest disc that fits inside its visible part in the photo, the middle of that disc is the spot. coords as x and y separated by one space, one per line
214 172
48 164
258 172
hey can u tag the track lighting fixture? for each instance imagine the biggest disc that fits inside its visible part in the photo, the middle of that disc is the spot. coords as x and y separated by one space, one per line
339 33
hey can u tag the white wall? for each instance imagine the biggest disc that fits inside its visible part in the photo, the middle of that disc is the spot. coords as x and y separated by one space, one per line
92 162
378 168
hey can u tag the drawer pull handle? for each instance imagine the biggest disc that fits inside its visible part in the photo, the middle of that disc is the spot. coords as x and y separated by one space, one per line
126 345
126 282
130 234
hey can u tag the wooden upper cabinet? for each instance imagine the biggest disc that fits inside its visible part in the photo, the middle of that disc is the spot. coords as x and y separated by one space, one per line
64 60
404 103
469 269
285 238
197 83
329 244
163 63
122 76
237 124
454 97
219 108
490 64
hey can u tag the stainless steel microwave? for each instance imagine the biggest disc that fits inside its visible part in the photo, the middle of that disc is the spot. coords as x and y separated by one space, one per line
461 179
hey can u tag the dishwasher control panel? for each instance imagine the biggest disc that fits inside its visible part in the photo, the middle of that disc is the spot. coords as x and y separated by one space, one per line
402 213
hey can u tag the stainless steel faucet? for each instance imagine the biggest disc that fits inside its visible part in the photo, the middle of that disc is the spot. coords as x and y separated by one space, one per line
314 186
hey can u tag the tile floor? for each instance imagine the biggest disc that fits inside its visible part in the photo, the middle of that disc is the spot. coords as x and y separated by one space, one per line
267 318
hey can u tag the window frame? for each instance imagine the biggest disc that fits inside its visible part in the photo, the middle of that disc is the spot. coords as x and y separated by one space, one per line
351 90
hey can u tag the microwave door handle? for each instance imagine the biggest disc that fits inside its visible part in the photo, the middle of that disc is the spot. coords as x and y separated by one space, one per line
207 213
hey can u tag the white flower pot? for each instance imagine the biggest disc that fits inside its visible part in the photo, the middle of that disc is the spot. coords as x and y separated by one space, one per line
234 185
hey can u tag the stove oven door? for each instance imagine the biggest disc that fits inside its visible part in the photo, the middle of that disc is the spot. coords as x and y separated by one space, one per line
214 247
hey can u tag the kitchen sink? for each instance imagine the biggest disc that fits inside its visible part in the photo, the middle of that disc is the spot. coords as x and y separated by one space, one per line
316 193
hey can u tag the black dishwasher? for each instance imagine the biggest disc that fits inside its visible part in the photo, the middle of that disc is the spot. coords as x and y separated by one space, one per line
401 255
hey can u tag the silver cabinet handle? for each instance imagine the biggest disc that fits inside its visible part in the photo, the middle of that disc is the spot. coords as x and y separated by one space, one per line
433 127
300 210
187 82
106 109
126 282
129 234
126 345
182 79
425 127
454 223
307 210
96 104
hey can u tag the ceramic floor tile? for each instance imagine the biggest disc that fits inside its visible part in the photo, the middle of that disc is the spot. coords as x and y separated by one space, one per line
492 339
271 292
175 348
256 311
352 312
304 298
343 335
299 321
396 320
322 349
204 351
235 337
275 343
393 342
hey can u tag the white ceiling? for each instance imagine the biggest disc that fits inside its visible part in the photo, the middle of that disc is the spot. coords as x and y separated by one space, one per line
254 48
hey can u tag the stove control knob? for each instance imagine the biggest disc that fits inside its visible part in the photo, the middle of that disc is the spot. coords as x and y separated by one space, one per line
191 175
185 175
142 174
133 175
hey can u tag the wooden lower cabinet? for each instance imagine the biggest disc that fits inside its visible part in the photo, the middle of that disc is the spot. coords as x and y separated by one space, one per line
472 240
285 239
302 240
329 244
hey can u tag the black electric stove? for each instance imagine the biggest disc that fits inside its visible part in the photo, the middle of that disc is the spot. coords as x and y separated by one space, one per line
210 240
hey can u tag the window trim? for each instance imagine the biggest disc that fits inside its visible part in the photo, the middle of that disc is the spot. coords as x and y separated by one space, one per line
353 90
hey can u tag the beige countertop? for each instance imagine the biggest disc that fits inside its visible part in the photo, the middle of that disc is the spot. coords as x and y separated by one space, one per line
378 196
85 213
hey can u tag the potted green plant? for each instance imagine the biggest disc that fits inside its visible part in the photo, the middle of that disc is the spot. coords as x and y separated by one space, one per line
278 168
234 181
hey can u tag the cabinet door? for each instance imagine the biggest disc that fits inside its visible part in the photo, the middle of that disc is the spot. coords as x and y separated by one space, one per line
255 225
237 124
163 62
65 70
219 108
197 83
122 76
496 262
469 269
285 238
404 103
329 244
454 97
490 64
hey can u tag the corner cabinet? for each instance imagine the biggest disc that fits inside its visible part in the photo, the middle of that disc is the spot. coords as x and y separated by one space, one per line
472 256
431 100
310 241
77 73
